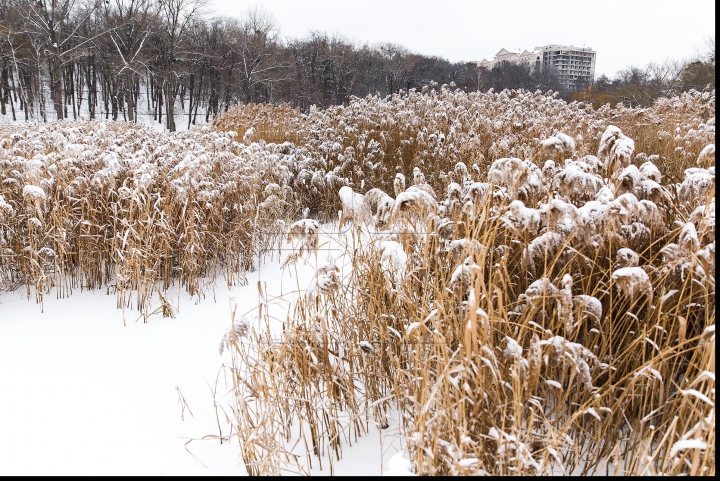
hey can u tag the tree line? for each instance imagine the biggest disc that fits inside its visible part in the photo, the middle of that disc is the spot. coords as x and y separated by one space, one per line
174 61
640 87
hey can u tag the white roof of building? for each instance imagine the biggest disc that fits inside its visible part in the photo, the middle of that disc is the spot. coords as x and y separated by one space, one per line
565 47
504 53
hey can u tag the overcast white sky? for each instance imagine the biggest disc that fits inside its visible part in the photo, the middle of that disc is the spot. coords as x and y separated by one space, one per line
623 32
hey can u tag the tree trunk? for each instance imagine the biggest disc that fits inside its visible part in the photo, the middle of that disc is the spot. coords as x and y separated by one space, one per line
129 100
25 100
70 89
152 99
190 101
92 91
12 83
199 94
159 104
9 92
149 99
3 90
106 98
136 96
114 103
41 94
56 90
170 107
79 87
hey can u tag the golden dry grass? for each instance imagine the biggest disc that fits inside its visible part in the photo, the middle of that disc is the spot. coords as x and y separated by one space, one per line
479 375
367 142
269 122
87 205
482 365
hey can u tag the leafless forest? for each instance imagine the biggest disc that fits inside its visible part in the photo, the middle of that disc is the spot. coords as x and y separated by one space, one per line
177 63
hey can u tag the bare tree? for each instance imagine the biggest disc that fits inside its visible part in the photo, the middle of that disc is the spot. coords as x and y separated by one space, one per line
641 87
175 18
14 57
699 73
257 46
327 69
128 24
395 64
56 26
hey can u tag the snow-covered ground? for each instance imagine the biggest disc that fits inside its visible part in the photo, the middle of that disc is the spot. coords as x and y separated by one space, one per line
145 115
81 394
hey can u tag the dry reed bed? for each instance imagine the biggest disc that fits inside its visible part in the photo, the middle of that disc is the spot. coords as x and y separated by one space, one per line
111 205
365 143
553 314
269 122
517 313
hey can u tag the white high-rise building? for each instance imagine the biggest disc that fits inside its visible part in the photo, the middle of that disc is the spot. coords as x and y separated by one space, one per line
574 66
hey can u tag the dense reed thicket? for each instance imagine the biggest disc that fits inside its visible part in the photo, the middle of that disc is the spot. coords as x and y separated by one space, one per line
368 142
526 286
540 300
94 205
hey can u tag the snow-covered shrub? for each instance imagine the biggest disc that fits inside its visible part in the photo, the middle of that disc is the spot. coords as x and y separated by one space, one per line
626 258
706 158
558 144
559 216
576 182
380 205
399 184
650 171
413 203
522 220
523 178
460 249
542 249
579 357
304 235
697 183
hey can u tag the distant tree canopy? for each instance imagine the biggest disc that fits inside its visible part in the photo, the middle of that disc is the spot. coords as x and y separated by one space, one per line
170 58
697 75
635 87
510 75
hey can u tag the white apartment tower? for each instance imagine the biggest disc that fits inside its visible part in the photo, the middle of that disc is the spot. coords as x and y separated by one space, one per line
575 66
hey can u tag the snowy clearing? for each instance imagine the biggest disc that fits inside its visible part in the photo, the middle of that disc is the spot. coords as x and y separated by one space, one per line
84 395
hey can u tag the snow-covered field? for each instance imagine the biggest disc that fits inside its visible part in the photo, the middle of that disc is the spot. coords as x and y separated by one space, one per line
538 297
83 394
